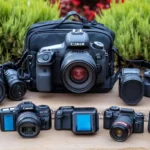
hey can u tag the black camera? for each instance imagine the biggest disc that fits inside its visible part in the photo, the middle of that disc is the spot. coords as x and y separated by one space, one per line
131 86
122 122
76 65
79 120
27 118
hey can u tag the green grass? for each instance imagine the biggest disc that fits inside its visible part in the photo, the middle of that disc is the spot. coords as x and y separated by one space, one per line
131 23
16 16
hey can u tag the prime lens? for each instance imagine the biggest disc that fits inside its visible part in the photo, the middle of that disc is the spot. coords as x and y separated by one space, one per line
28 124
122 128
16 87
78 72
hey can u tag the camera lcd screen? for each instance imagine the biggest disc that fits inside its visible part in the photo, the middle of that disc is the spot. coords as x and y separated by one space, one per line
83 122
8 122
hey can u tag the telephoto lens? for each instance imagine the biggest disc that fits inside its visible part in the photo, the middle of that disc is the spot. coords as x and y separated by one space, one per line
2 86
122 128
16 88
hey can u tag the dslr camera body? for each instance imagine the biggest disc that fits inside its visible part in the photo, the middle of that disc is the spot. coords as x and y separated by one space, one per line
76 65
27 118
79 120
122 122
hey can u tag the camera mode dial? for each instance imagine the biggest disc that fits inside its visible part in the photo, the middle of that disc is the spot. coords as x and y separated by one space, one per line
114 108
98 45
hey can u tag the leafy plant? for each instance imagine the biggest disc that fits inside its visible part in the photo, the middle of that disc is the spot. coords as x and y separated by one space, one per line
131 23
15 19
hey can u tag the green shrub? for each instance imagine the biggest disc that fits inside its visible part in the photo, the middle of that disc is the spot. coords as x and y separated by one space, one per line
16 16
131 23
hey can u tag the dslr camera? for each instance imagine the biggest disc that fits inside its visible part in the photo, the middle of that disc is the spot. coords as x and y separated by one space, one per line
76 65
79 120
27 118
122 122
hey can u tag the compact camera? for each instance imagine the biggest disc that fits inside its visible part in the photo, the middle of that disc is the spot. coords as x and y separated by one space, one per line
11 85
76 65
27 118
122 122
79 120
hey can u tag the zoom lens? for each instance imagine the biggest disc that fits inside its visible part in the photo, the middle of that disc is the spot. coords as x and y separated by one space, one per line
28 124
16 87
78 72
122 128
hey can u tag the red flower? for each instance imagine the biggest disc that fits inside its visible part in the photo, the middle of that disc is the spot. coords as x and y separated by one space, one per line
76 2
100 5
109 1
122 1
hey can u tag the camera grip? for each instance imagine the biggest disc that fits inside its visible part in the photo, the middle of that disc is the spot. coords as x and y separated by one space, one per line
43 78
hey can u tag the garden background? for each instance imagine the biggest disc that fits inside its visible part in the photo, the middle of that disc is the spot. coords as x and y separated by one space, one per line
129 19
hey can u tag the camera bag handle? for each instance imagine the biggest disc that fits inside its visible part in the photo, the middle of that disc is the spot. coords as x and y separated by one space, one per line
72 13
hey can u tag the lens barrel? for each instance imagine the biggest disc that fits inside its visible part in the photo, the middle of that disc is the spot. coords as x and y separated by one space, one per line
16 87
28 124
121 128
131 88
78 72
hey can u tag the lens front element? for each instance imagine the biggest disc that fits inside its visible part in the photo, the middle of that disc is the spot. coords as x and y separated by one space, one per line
28 124
122 128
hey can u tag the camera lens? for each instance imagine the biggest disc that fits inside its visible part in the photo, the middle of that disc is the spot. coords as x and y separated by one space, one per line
78 72
16 87
28 124
121 128
131 89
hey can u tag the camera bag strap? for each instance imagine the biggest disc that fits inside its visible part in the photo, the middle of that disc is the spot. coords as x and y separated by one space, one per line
139 63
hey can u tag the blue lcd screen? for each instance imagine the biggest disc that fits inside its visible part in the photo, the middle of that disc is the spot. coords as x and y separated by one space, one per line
83 122
8 122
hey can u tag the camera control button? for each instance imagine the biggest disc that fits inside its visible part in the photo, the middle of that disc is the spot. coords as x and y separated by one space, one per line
59 112
98 45
45 57
114 108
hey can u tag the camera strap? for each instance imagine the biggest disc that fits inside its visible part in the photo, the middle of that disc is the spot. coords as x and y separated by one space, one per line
139 63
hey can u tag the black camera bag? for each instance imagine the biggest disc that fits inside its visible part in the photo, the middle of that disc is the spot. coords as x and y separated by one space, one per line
53 32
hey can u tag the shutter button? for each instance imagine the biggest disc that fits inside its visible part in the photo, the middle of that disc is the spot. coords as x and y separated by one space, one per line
46 57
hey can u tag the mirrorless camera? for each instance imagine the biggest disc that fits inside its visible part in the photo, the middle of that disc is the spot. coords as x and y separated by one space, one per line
79 120
76 65
122 122
27 118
